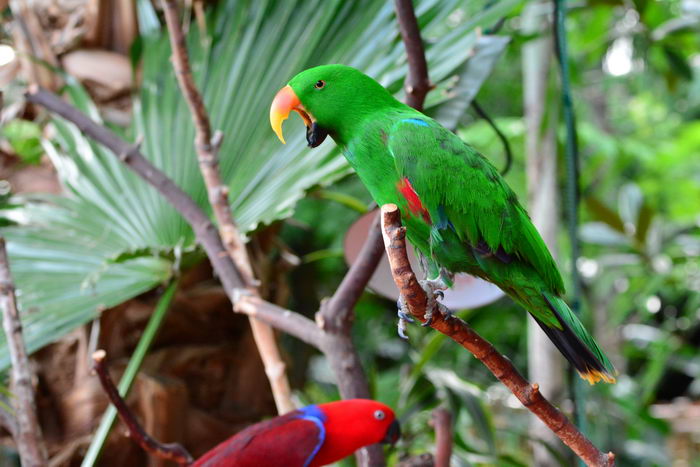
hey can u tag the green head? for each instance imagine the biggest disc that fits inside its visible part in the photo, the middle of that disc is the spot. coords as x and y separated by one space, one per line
332 99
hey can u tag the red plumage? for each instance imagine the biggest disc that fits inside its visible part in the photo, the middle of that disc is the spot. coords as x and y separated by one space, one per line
313 436
415 205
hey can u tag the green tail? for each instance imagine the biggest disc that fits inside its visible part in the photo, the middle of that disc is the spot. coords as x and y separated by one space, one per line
576 344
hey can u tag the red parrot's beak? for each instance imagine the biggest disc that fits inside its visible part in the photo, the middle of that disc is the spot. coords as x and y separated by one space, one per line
393 433
284 102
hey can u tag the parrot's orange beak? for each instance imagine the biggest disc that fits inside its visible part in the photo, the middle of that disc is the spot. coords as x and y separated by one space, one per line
284 102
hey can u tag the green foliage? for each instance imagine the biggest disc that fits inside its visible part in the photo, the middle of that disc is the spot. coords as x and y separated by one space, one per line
25 139
112 237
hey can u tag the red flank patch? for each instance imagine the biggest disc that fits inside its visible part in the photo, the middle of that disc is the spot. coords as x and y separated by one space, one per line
415 205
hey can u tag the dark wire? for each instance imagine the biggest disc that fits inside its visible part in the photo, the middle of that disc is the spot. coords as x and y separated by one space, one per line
572 188
506 145
572 162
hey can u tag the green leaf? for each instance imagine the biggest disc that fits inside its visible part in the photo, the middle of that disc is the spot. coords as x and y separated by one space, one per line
25 139
604 214
602 234
487 51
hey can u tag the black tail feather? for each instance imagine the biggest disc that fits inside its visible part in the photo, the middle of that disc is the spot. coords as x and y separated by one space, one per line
571 346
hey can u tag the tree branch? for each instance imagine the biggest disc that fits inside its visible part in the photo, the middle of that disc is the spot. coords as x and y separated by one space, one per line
27 431
287 321
442 420
337 313
7 420
170 451
459 331
417 83
207 147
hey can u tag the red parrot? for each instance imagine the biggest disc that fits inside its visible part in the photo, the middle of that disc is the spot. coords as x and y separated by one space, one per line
308 437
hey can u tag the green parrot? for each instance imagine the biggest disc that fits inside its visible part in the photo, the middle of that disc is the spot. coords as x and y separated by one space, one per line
459 213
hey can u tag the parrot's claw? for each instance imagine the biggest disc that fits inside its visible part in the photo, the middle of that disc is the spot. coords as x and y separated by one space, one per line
404 318
434 290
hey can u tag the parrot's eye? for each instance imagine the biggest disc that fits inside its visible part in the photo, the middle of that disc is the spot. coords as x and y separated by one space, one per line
320 84
379 414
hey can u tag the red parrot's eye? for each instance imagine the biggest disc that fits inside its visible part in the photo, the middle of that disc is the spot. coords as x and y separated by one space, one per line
320 84
379 414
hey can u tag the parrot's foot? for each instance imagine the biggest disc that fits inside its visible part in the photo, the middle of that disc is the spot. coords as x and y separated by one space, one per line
404 317
434 290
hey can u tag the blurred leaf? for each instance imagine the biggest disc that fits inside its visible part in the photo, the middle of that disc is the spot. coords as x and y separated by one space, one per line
629 202
344 199
604 214
601 234
679 64
488 50
147 17
25 139
471 398
644 219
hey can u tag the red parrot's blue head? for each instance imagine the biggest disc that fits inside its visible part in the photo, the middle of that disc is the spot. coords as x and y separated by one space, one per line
352 424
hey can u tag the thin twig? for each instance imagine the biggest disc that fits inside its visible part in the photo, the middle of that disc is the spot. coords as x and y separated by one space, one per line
170 451
207 146
442 420
417 83
30 442
459 331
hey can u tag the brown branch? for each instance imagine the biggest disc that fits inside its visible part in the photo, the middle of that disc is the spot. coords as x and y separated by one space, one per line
170 451
204 230
459 331
336 316
294 324
337 313
27 433
207 147
442 420
417 83
7 420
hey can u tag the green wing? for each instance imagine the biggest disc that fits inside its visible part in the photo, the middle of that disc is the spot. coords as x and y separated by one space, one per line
455 181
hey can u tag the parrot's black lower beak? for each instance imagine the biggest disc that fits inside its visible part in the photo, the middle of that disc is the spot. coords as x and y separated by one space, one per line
315 135
393 433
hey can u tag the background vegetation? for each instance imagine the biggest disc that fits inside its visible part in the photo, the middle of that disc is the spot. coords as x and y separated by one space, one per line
107 241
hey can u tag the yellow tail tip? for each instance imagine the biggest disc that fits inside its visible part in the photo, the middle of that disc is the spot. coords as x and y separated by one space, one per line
593 376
